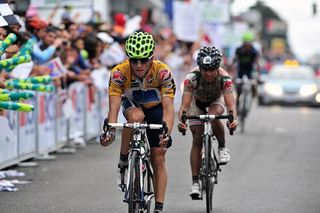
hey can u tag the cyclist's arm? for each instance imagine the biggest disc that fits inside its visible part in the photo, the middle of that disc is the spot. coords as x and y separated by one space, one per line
227 89
168 112
188 88
167 91
185 103
114 107
230 103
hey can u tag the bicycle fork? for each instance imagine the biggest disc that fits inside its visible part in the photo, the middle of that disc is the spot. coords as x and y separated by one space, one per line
142 197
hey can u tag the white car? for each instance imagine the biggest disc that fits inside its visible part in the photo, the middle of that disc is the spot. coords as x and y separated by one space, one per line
290 84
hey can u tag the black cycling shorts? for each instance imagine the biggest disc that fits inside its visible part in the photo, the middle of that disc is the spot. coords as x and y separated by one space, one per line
152 115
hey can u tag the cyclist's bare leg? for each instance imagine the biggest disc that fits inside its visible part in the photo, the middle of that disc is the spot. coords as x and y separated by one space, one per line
217 109
195 153
133 114
160 173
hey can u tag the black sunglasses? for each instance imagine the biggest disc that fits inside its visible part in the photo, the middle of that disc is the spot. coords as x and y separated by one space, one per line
139 60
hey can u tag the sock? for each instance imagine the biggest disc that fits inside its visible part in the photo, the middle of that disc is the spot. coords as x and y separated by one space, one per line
124 158
123 161
195 179
158 206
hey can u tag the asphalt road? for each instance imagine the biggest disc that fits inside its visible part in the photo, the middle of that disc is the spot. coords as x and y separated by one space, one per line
274 168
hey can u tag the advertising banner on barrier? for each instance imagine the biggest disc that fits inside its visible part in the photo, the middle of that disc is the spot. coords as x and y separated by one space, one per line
46 122
92 118
76 93
61 119
27 130
97 112
8 137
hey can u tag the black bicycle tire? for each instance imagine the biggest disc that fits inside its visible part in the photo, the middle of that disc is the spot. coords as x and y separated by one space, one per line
242 111
207 174
132 188
149 182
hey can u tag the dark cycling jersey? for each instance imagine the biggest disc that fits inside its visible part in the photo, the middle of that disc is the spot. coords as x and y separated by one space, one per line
246 58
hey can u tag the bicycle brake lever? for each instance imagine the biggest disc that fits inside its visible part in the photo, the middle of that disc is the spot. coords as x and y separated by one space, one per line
164 128
231 118
106 125
183 120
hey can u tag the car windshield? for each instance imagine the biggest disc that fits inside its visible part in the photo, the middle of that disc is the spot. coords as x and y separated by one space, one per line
293 73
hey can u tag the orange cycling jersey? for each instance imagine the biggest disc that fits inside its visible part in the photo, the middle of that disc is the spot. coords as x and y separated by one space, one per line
148 91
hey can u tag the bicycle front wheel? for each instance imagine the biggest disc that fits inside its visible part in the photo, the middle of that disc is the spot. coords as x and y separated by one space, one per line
148 186
208 173
134 183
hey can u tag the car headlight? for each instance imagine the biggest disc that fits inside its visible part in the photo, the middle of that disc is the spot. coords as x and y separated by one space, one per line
318 98
273 89
308 89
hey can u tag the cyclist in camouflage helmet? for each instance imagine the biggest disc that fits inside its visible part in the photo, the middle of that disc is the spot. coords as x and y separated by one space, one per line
145 89
207 89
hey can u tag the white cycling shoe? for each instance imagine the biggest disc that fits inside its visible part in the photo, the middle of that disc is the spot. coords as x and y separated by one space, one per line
195 191
224 155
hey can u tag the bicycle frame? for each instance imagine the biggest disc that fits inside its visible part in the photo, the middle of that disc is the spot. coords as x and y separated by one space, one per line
139 187
245 99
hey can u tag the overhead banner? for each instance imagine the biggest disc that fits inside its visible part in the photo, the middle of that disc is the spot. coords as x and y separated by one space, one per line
186 21
215 11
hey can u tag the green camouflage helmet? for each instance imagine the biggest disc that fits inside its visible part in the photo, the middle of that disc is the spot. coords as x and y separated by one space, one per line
140 45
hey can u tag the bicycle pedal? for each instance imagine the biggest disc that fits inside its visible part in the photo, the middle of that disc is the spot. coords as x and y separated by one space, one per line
195 197
149 197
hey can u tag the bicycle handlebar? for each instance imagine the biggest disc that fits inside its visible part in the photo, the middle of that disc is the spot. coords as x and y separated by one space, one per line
135 125
185 117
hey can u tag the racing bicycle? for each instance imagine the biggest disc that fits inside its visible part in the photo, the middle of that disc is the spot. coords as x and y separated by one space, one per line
244 99
139 190
210 166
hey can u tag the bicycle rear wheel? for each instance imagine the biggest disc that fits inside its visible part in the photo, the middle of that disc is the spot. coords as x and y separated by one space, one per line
242 111
209 183
134 184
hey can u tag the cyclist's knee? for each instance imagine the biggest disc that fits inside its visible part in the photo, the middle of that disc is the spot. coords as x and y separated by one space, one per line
135 115
196 132
158 158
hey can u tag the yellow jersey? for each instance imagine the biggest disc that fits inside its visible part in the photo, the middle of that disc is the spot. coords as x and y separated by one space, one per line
147 92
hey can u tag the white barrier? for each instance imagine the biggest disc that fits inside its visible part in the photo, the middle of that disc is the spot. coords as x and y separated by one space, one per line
46 131
9 138
27 147
28 135
77 94
92 117
61 119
